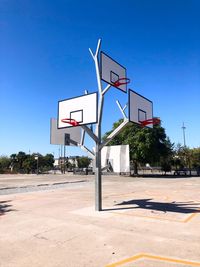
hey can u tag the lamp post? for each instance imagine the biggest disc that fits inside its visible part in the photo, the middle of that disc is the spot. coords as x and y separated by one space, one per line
37 158
183 127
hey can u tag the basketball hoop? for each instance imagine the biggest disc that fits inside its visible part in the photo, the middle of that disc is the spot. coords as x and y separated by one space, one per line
153 121
121 81
70 121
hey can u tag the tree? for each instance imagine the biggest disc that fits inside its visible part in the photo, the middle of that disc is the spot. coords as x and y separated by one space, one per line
29 165
183 156
146 145
13 159
49 160
45 163
21 156
195 161
83 162
4 164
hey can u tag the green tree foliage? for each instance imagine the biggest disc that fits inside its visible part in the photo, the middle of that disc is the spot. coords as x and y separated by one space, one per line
14 162
180 156
5 163
29 165
83 162
45 163
185 157
146 145
25 163
21 156
195 161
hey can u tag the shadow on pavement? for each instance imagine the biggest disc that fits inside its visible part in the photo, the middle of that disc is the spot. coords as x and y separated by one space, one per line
164 176
5 207
178 207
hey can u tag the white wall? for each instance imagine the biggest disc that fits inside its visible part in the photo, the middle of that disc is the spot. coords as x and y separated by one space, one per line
118 157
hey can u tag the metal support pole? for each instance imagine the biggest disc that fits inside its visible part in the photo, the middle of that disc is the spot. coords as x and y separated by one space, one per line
98 177
98 180
61 158
97 136
64 159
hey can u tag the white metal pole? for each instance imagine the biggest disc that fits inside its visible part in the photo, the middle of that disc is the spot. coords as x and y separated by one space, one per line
98 178
97 136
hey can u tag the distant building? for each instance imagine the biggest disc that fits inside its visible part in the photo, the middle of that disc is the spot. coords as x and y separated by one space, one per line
72 160
60 161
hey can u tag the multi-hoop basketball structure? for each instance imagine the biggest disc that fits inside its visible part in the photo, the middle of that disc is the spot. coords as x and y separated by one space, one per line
82 111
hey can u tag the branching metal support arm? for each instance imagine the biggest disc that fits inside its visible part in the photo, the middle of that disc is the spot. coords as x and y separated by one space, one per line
114 133
90 133
92 155
122 109
106 89
82 137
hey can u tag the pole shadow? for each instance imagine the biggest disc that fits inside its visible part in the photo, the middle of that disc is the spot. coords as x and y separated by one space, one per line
149 204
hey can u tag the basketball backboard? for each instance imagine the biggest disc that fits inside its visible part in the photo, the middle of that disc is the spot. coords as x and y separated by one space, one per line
111 71
82 109
59 136
140 108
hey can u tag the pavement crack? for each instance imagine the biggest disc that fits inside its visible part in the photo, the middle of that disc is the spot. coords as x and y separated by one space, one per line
38 236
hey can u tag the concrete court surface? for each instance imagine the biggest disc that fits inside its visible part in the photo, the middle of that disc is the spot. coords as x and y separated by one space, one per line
145 222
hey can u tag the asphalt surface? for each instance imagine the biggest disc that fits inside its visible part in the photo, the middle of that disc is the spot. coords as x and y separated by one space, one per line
145 222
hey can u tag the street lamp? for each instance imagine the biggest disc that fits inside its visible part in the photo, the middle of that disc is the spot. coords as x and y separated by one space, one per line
37 158
183 128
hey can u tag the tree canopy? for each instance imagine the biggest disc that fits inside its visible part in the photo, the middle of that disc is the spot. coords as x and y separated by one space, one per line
83 162
26 163
146 145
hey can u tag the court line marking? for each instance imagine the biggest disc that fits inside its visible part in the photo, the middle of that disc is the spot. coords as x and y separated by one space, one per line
189 218
153 257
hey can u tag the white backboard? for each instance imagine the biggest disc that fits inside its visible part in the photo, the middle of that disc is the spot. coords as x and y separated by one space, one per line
57 136
140 108
83 109
111 71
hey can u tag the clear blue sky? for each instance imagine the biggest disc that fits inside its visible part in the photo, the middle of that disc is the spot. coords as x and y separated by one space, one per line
44 58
